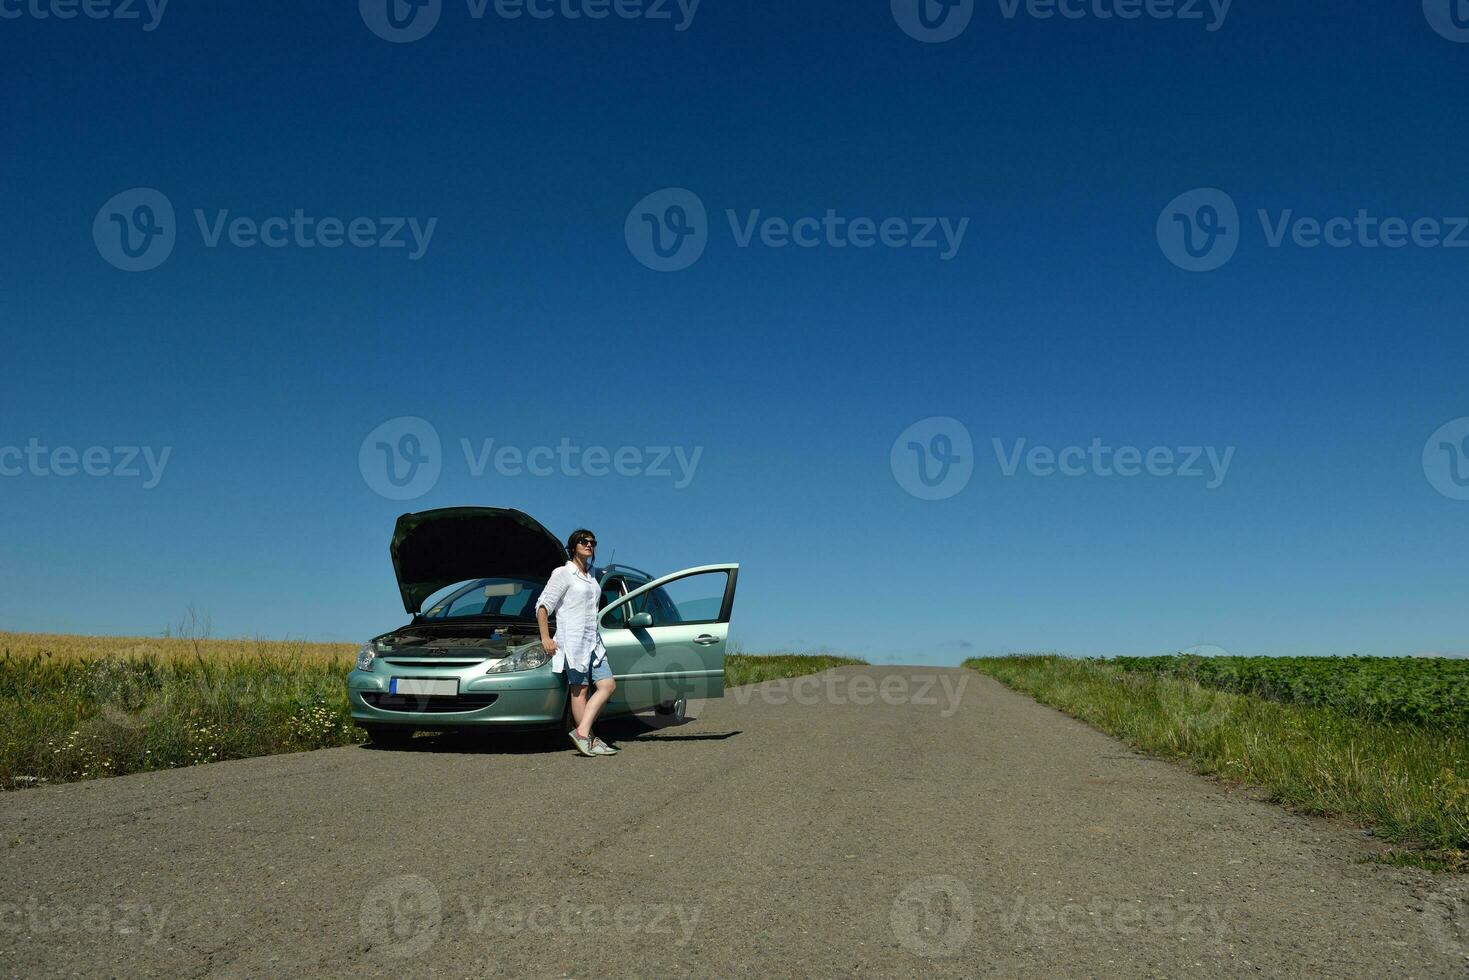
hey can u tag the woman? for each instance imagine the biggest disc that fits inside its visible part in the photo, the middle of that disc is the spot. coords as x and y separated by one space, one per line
572 595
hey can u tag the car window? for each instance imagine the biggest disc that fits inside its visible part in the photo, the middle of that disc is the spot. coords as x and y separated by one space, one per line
506 597
619 616
471 603
691 599
612 590
517 606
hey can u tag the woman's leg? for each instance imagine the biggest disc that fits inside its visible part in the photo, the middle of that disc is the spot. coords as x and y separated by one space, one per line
600 694
578 703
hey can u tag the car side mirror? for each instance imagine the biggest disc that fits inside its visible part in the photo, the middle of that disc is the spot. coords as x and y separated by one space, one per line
640 620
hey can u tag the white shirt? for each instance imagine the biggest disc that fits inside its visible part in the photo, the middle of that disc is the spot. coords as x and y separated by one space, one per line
572 596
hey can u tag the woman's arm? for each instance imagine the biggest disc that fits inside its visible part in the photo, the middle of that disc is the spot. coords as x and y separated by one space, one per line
547 603
547 644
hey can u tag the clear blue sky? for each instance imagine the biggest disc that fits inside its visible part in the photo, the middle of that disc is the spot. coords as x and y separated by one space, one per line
528 319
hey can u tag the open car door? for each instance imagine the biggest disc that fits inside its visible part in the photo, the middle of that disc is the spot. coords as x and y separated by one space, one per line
665 640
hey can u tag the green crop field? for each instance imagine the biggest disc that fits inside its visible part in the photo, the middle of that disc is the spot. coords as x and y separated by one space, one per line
1421 690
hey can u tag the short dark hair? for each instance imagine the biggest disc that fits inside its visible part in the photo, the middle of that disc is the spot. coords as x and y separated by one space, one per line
576 536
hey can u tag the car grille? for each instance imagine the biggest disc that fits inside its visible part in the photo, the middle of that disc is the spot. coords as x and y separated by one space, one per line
434 662
426 704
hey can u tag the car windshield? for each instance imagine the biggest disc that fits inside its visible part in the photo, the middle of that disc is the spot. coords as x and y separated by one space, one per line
505 598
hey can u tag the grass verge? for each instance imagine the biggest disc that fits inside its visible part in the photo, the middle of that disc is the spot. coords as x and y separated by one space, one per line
1409 783
77 707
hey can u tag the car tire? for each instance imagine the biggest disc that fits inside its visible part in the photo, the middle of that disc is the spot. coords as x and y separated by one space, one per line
389 736
677 709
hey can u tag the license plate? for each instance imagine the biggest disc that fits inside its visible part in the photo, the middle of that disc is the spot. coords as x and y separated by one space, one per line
411 685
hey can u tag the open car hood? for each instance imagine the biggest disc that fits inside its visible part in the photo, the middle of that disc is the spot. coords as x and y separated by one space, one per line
434 549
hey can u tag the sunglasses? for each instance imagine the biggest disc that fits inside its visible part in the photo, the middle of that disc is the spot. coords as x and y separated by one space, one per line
589 542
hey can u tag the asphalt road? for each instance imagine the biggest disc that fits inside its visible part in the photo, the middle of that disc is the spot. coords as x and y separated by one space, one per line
937 825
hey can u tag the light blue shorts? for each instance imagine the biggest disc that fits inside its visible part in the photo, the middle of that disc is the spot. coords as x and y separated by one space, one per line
599 672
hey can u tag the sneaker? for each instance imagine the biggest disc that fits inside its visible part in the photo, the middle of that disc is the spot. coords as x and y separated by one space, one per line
602 748
583 745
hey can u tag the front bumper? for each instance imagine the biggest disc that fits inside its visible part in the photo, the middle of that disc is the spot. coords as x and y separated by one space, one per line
524 699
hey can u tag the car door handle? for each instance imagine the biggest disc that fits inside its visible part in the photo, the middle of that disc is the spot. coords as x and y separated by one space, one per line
705 639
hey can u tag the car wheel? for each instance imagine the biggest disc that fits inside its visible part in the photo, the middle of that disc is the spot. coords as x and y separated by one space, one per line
677 710
389 736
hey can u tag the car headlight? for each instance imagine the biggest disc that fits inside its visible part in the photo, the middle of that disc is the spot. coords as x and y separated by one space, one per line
527 657
366 655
